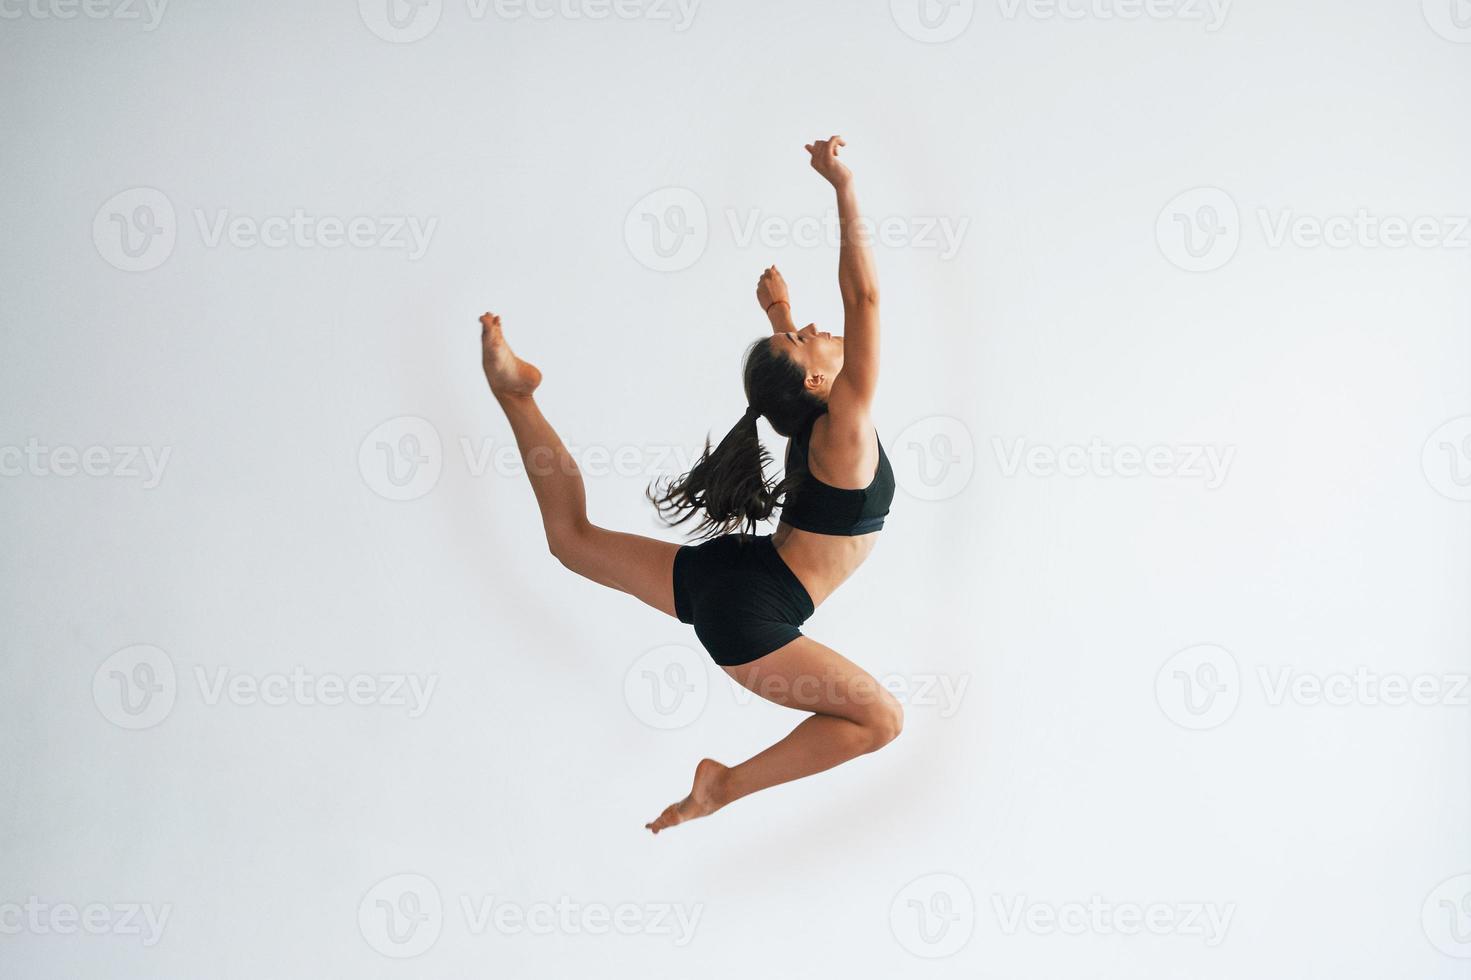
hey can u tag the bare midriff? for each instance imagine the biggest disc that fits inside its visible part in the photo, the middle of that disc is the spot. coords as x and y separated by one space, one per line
821 562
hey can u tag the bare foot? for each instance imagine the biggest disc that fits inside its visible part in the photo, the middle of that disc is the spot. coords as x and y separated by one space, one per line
704 798
507 373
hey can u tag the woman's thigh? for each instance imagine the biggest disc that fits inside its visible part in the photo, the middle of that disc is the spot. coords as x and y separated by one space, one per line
640 566
809 676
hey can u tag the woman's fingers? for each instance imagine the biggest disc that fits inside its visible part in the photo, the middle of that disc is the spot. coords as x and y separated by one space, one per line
827 147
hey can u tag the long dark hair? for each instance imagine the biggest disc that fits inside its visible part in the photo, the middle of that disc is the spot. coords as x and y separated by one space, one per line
728 483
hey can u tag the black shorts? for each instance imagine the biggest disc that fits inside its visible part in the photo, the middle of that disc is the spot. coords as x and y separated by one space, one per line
742 599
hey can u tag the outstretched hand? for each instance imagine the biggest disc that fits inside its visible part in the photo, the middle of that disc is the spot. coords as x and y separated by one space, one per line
825 161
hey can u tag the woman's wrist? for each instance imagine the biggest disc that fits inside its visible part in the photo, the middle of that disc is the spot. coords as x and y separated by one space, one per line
779 315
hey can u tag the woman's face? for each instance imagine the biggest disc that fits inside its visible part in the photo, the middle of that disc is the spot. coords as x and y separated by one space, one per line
818 353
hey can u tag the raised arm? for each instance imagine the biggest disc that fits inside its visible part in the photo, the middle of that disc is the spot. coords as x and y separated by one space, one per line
771 293
853 389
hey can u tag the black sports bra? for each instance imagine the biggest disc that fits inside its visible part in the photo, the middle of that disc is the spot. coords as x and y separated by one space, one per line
824 509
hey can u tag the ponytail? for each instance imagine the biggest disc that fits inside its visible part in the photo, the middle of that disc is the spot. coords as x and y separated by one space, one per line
729 483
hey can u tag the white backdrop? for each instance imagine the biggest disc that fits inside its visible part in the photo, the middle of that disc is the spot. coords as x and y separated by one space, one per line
1176 345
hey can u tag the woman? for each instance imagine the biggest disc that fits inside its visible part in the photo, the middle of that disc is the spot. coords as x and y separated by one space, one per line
745 594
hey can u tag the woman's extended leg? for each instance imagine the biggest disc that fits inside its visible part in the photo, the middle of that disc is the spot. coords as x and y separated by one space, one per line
642 567
854 714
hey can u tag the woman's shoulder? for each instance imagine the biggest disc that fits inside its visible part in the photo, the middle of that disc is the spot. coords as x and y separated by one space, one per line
843 451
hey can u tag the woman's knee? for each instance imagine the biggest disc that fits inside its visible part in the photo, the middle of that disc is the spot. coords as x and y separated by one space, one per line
883 721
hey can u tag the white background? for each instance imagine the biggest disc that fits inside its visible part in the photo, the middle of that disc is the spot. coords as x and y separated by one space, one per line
1064 766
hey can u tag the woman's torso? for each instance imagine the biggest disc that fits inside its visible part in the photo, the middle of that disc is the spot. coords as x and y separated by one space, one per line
859 488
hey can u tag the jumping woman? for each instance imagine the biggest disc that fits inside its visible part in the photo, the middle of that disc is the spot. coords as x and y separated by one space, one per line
747 595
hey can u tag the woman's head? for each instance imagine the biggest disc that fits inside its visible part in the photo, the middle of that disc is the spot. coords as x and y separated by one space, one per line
786 379
787 376
816 353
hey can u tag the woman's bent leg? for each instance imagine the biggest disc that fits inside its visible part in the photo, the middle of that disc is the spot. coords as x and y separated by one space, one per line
853 715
